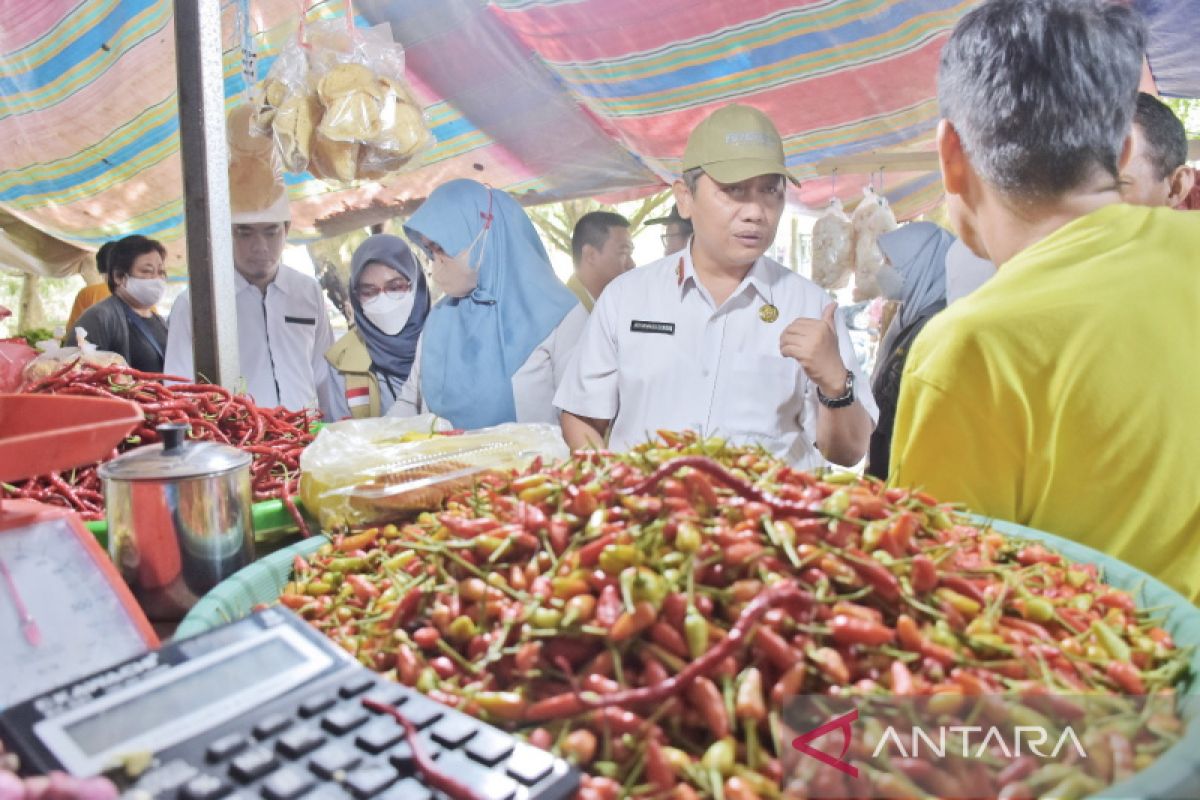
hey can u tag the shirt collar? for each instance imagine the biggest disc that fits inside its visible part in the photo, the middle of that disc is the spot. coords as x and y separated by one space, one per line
756 278
282 281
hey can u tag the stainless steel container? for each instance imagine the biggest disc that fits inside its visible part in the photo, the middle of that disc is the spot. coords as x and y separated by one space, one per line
179 519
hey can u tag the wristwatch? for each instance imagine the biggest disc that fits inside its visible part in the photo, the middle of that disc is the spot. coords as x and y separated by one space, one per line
842 400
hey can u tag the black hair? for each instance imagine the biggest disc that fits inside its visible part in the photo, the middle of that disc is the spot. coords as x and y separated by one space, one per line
1164 133
1042 92
102 256
126 251
592 228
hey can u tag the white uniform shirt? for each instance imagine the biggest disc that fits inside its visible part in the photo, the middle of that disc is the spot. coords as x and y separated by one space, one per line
533 385
658 353
282 339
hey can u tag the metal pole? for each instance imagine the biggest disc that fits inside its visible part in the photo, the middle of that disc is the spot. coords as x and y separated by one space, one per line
206 189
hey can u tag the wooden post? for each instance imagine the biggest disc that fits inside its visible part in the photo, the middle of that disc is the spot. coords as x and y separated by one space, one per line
30 313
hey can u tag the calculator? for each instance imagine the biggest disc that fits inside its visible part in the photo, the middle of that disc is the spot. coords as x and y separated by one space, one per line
267 707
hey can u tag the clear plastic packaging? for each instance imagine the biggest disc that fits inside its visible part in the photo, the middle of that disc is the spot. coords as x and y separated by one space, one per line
872 217
54 358
338 105
833 247
369 471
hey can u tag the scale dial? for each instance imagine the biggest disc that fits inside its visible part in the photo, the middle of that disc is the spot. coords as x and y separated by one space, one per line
72 598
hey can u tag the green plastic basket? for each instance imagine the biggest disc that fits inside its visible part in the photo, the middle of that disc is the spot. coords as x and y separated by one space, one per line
1175 774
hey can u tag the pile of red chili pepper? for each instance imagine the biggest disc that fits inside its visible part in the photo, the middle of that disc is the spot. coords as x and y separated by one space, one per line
646 615
275 437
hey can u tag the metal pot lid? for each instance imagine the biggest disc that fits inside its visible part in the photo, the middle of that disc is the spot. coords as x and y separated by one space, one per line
175 458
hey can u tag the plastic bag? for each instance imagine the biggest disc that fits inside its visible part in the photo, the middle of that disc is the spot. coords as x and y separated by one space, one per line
255 171
872 217
54 358
369 471
338 106
14 355
832 247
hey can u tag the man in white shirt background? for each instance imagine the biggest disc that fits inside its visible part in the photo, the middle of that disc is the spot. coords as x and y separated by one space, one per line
719 338
283 328
601 249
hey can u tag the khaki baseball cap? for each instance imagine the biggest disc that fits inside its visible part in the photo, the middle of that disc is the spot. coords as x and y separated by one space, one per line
736 143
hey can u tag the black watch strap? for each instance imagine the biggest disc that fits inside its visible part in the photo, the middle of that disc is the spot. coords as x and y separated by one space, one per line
842 400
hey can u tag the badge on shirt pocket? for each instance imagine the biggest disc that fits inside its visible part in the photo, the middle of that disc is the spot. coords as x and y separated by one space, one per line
646 326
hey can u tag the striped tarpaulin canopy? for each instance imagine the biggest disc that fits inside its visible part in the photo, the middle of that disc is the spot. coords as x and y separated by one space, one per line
548 99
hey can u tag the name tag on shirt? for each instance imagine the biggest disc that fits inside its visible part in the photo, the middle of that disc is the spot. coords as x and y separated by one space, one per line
643 326
301 320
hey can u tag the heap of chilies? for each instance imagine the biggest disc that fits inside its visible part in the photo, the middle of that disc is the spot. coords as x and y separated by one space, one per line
647 614
275 437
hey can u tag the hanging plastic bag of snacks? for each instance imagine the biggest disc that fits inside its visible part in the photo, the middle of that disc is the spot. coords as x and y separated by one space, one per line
337 104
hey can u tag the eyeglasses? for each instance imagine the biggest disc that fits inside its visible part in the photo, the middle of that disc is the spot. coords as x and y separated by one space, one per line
395 286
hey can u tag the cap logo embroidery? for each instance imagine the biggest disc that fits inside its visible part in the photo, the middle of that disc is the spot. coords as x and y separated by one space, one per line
745 138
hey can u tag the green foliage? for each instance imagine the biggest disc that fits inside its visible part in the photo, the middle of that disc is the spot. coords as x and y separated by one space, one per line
1188 110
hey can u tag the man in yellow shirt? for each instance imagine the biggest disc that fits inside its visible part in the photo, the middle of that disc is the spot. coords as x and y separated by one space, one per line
90 295
601 250
1064 393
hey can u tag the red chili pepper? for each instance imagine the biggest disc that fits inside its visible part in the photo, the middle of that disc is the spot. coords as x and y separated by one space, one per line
706 697
363 589
850 630
429 771
608 606
875 575
924 574
1126 677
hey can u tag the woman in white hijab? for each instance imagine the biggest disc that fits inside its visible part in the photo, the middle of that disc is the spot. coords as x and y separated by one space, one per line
915 276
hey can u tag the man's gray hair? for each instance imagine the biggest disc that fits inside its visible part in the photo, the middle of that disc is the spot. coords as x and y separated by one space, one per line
691 178
1042 92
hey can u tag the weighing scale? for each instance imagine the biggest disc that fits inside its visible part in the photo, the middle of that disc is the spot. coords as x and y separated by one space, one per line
64 609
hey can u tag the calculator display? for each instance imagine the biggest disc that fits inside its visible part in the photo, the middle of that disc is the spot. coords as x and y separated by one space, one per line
175 699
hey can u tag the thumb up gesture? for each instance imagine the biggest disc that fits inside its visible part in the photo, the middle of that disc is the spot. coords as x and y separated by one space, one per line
814 344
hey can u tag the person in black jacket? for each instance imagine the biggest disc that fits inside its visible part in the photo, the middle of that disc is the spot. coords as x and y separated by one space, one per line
916 277
127 323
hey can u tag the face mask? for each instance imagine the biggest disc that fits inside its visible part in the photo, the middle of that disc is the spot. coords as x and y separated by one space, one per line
454 276
145 292
389 312
891 282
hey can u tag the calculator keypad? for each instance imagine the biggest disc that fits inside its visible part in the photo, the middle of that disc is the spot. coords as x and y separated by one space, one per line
329 746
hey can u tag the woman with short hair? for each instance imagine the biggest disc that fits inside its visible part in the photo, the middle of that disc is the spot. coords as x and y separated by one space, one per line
127 323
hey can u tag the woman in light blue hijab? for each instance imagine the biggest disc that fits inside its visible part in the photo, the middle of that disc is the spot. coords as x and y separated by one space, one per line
494 349
915 275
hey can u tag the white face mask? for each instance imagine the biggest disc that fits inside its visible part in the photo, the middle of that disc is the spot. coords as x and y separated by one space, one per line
891 282
454 276
389 312
146 292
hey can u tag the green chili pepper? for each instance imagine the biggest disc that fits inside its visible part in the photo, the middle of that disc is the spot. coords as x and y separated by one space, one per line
616 557
720 756
695 630
687 537
351 564
837 503
1039 609
873 534
643 584
1077 578
1110 641
463 628
427 680
545 617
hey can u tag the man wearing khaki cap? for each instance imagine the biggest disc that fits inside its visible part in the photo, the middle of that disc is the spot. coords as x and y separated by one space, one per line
718 338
